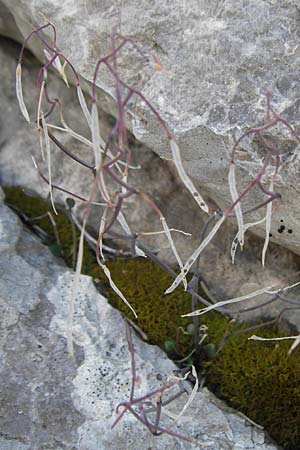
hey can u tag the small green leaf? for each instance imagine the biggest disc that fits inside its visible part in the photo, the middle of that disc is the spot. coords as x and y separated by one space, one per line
169 345
190 329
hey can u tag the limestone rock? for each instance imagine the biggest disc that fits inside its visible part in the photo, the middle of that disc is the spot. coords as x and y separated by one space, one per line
19 141
224 56
50 400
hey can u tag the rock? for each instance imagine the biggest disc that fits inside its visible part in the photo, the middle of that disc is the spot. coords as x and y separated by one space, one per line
224 58
51 400
36 374
19 141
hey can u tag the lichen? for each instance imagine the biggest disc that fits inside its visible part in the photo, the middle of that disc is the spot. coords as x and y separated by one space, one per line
257 378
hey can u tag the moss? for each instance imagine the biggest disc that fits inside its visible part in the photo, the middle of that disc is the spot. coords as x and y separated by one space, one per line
256 378
159 316
33 207
142 282
263 382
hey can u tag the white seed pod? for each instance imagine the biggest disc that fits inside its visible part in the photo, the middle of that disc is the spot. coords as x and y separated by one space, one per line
96 135
19 93
84 107
48 153
253 294
195 255
235 241
58 66
173 247
237 208
116 289
185 178
268 226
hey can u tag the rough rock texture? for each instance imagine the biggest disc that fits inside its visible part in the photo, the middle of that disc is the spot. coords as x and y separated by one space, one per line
49 400
18 141
225 55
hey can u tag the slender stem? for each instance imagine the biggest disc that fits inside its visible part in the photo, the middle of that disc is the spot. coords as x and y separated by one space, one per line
132 360
158 415
35 31
70 154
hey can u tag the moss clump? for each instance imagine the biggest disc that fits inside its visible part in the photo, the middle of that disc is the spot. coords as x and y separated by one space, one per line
32 207
143 283
262 381
256 378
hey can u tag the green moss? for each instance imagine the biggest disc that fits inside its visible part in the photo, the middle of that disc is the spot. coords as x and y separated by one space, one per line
143 283
34 207
262 381
256 378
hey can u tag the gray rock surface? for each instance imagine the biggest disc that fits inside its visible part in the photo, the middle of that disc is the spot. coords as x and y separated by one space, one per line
49 400
225 56
19 140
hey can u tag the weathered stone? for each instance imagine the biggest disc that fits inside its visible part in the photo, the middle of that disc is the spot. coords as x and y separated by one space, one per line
49 400
19 141
224 56
36 374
